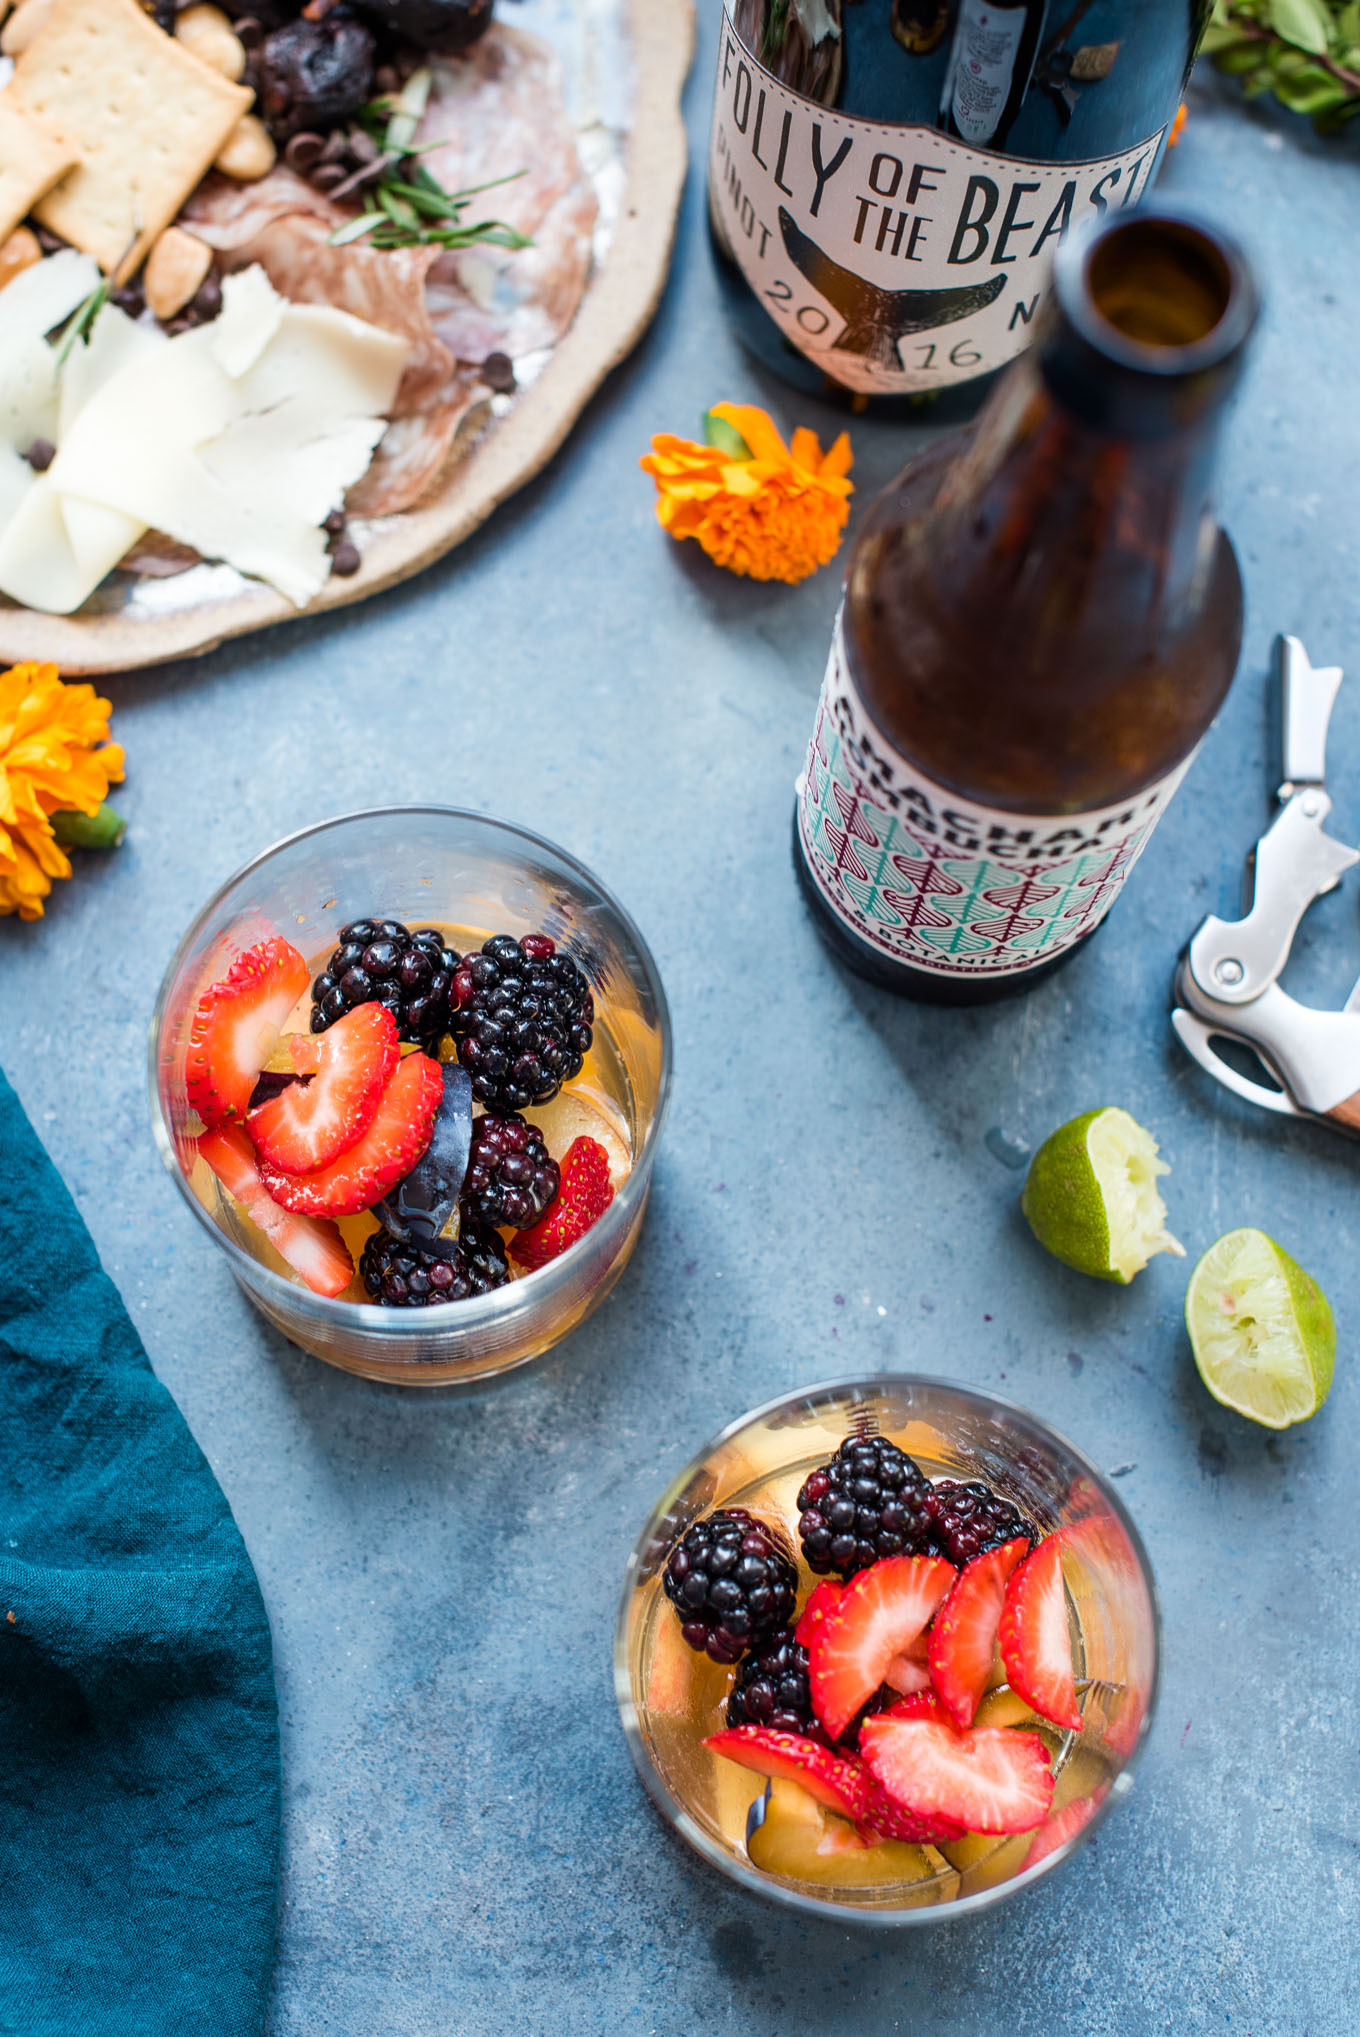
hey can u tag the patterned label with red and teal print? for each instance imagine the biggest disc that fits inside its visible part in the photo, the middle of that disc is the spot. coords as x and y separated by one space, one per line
937 881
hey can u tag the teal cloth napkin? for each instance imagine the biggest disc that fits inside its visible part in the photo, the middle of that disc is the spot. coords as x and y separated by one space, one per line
139 1746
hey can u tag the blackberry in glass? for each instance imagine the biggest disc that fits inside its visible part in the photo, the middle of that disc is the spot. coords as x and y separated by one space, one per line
967 1520
871 1500
405 1276
511 1177
733 1583
772 1690
383 962
522 1017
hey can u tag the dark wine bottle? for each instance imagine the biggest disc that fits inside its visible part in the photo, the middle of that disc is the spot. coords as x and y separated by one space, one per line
889 179
1041 619
989 69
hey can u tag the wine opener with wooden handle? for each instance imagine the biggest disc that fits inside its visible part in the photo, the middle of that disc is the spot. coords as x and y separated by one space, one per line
1227 984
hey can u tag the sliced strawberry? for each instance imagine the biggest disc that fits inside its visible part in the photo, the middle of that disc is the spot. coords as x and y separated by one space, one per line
1036 1643
834 1779
395 1139
583 1196
1065 1824
888 1820
880 1614
919 1704
313 1248
986 1780
883 1819
963 1638
236 1027
311 1123
820 1601
910 1671
304 1051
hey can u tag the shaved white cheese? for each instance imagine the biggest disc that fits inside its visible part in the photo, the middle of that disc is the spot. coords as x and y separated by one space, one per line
50 563
236 438
45 295
28 412
252 312
37 299
114 343
56 546
326 458
349 368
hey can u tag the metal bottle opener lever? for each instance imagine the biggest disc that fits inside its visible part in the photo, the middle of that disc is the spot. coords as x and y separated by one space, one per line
1227 984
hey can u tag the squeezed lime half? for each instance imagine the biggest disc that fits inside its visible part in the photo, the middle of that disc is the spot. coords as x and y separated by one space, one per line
1091 1196
1261 1329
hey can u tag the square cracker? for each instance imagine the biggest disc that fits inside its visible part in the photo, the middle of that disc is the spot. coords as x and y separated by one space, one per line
32 157
147 118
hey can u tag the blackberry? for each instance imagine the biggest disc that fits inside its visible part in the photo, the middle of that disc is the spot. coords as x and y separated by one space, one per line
732 1582
772 1689
379 961
967 1520
522 1017
404 1276
871 1500
511 1177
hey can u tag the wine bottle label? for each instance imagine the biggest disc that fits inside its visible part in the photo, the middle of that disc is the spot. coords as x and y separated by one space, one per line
986 50
937 881
896 258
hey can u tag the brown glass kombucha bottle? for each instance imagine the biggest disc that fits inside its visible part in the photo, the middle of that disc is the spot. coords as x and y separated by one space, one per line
1042 616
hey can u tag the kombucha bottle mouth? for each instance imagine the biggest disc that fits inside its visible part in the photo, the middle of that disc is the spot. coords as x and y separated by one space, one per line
1161 291
1150 322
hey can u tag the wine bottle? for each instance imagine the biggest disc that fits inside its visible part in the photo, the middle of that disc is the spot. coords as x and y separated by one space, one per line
889 179
989 68
1041 619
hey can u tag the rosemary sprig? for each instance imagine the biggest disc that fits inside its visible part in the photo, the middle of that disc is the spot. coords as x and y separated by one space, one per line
82 319
404 205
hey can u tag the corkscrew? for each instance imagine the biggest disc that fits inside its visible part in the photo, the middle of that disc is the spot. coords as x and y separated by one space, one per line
1227 985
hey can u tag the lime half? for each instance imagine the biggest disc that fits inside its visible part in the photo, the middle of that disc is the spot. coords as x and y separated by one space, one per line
1091 1196
1261 1330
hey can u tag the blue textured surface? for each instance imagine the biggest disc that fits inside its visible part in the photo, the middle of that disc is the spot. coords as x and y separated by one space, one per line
467 1850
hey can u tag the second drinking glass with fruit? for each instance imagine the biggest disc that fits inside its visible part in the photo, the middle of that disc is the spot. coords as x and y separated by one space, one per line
410 1119
886 1646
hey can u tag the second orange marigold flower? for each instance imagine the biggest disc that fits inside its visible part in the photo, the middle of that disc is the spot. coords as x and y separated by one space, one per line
771 511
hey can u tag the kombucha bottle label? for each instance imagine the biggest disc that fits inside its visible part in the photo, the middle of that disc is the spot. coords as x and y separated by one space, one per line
938 882
895 258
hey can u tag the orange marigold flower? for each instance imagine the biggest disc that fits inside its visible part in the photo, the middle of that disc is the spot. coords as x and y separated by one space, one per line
55 757
777 515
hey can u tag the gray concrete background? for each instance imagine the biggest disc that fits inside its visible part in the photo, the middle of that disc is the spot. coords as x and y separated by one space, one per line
467 1850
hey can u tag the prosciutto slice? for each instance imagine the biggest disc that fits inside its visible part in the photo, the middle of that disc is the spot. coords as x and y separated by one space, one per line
497 111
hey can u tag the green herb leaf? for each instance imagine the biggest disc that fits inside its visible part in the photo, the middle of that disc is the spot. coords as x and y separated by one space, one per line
1305 23
355 229
407 207
83 318
1304 52
724 438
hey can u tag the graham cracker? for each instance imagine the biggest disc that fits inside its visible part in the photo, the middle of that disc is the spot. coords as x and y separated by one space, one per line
146 116
32 158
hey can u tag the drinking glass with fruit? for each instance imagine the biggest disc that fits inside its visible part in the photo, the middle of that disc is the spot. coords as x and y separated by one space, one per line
403 1131
886 1647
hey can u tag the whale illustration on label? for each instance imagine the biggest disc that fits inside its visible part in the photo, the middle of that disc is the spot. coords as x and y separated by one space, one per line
875 320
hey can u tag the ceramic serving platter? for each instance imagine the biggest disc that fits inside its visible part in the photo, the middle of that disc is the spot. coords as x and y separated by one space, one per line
624 64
